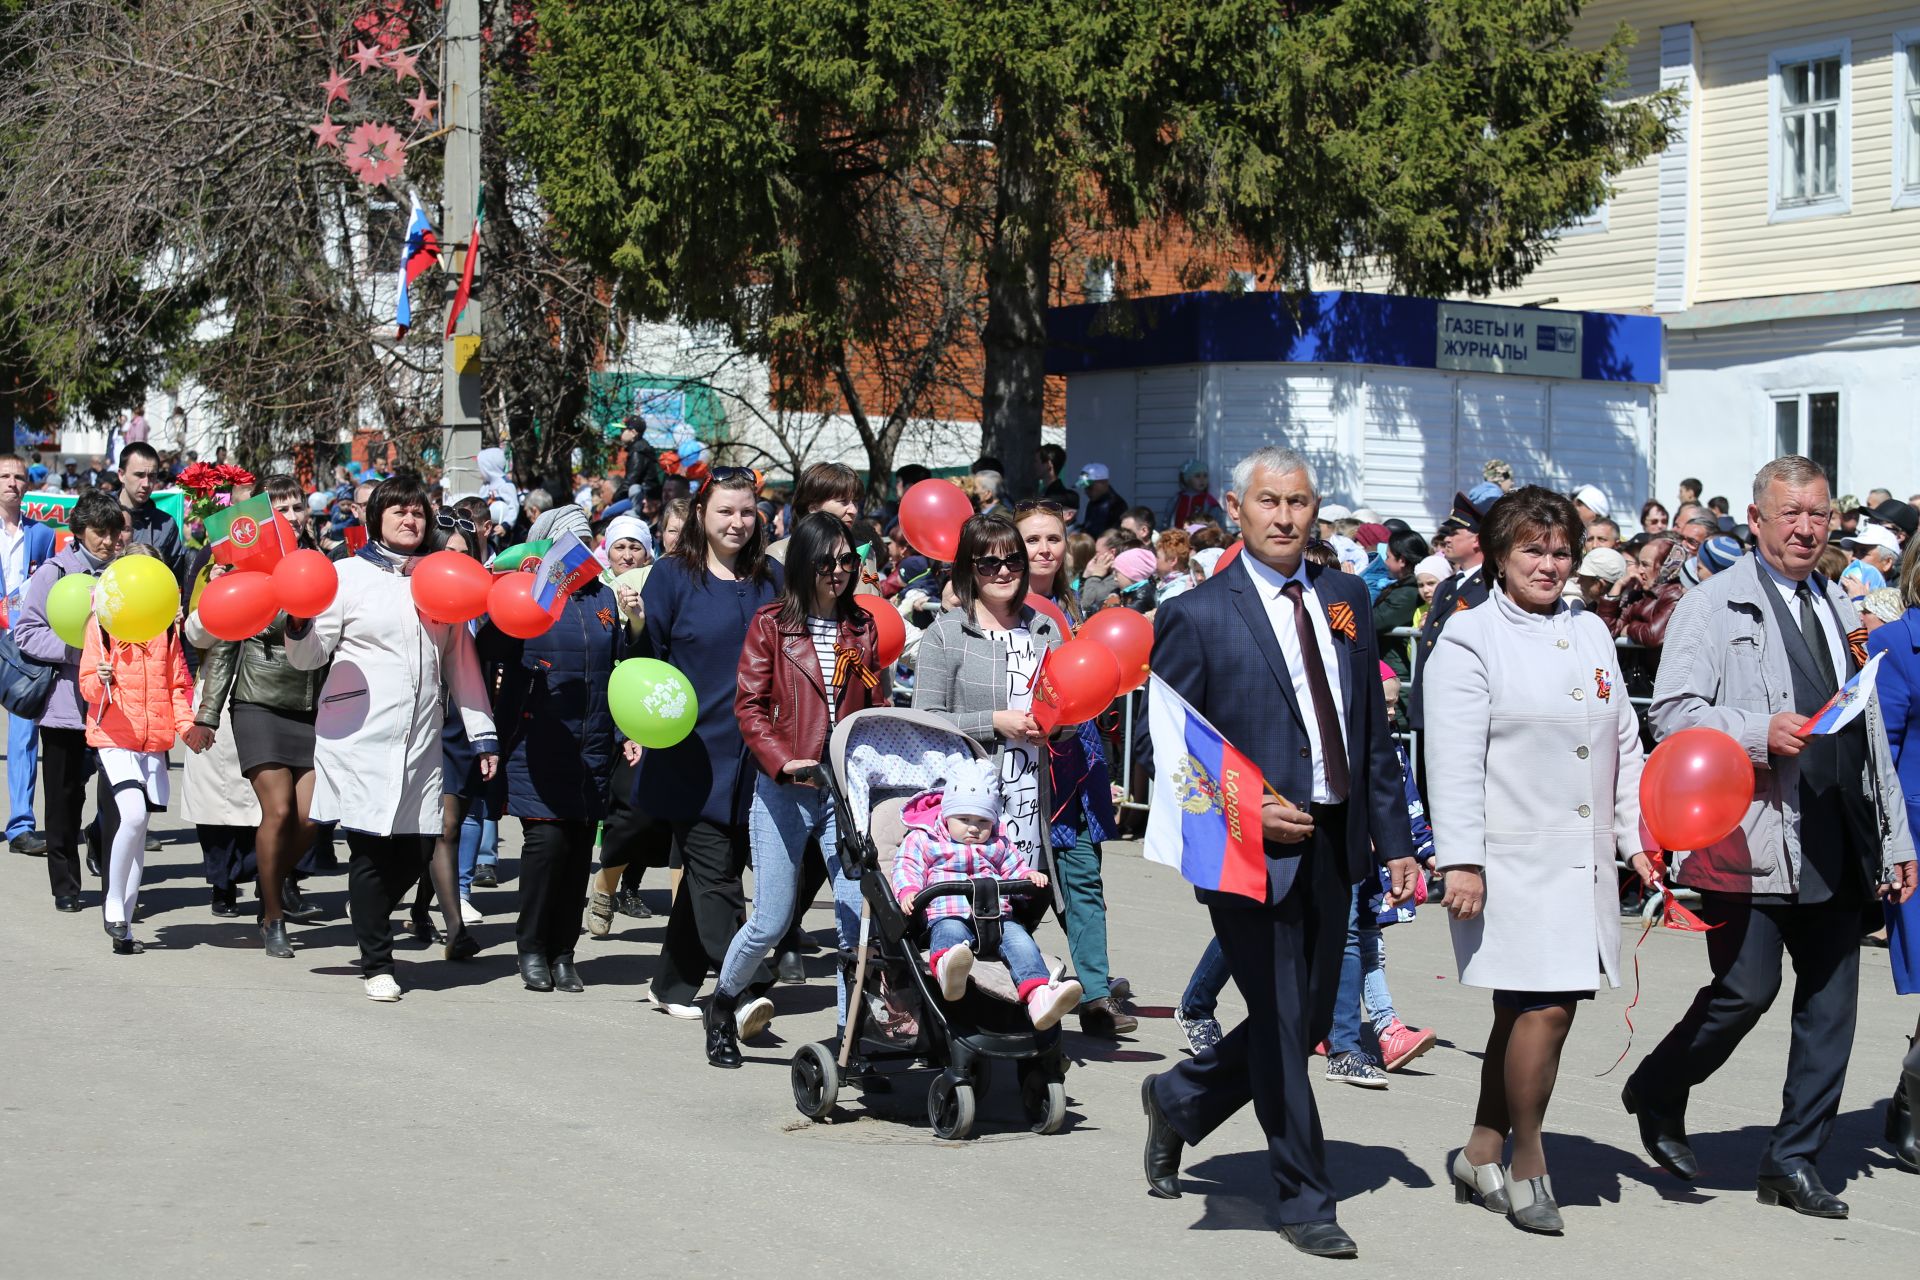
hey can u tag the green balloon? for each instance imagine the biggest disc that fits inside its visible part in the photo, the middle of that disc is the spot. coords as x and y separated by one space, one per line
69 605
652 702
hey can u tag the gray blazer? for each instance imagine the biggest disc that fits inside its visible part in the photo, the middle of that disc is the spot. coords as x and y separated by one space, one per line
961 672
1723 669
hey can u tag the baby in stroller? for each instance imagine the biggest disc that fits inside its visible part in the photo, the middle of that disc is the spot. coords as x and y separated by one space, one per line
965 841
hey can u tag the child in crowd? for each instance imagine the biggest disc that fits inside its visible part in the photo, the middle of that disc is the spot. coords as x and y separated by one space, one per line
1195 497
967 839
1429 573
138 698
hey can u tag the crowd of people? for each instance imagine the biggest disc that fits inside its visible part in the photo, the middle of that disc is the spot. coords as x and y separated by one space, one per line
1510 643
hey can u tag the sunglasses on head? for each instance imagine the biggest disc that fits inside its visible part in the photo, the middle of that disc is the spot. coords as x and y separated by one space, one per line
988 566
735 473
845 560
446 521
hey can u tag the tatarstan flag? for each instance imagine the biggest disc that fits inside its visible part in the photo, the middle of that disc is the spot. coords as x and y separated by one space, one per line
250 535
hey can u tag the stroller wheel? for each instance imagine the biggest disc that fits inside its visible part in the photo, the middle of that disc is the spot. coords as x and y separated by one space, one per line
1045 1101
816 1081
950 1106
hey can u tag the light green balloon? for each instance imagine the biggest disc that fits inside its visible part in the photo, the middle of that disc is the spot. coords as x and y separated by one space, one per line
69 605
652 702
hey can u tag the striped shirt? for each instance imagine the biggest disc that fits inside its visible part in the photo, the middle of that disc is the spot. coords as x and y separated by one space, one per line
825 634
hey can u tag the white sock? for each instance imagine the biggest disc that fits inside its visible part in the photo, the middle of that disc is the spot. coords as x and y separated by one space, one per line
128 857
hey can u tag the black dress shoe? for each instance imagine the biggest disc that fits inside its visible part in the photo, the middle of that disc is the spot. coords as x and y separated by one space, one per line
297 906
1321 1239
1800 1190
1903 1135
123 944
463 947
273 938
534 972
627 902
723 1043
225 901
30 843
93 854
789 968
1663 1135
1164 1145
565 976
68 902
484 876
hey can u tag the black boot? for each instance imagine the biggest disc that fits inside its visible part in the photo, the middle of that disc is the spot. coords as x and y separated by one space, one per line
1903 1134
534 971
295 905
226 900
273 937
723 1042
565 976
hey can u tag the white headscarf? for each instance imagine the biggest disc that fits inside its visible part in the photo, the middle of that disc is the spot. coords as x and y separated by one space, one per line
624 526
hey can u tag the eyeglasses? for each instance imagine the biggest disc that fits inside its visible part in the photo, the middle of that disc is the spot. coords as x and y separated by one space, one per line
446 521
845 560
990 566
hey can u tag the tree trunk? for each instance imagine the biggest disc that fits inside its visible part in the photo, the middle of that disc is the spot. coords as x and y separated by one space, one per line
878 444
1018 262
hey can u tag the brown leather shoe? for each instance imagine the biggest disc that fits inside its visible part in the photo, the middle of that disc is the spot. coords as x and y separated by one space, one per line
1106 1019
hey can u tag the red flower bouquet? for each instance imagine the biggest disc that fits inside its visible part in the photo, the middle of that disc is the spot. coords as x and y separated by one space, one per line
211 484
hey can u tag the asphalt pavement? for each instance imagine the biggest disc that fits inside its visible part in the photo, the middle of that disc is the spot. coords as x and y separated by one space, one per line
202 1110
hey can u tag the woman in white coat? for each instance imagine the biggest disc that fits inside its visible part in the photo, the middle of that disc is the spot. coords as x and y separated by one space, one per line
376 751
1533 777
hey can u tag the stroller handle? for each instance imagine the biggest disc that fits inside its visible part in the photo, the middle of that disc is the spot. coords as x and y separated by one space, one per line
951 888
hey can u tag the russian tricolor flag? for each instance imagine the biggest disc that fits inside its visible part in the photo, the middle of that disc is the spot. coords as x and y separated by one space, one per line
1205 815
421 251
563 569
1844 706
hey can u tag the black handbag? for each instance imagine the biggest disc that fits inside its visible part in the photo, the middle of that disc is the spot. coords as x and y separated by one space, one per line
26 685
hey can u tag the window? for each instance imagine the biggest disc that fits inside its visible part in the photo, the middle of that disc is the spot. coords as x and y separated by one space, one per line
1591 223
1906 120
1241 281
1808 423
1098 280
1811 133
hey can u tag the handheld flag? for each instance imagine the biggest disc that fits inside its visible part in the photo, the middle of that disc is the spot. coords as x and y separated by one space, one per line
1845 706
250 535
566 565
1205 815
421 250
465 291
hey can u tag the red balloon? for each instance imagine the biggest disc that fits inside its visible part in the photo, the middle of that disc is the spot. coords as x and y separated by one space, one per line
1695 788
891 626
1129 637
305 582
1227 559
931 513
512 608
1078 681
238 606
1040 604
451 586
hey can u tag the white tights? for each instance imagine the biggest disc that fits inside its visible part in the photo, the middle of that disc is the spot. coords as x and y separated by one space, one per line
129 855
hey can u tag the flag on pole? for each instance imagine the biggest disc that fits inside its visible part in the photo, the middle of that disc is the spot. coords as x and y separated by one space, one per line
250 535
1204 818
566 565
1842 709
421 250
465 290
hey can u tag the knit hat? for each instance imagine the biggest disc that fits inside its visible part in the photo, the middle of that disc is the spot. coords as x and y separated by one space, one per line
1719 553
1433 567
1883 603
559 520
1372 535
972 791
1206 558
1135 562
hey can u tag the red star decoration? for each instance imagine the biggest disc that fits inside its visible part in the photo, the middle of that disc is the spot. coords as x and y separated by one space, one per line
375 153
326 133
404 64
336 87
364 56
423 106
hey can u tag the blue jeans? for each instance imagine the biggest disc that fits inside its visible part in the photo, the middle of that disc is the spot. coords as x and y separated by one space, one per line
479 842
779 824
1363 980
1208 981
1016 945
22 754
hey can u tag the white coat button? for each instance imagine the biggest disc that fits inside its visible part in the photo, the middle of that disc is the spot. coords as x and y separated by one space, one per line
1586 811
1581 752
1560 644
1578 695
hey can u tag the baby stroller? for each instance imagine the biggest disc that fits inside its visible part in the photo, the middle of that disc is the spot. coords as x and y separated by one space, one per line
877 760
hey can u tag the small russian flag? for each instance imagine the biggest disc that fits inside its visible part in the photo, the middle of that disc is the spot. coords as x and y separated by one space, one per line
1207 797
566 565
1844 706
422 250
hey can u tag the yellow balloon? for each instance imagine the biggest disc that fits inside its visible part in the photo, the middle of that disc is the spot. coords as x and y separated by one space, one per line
137 599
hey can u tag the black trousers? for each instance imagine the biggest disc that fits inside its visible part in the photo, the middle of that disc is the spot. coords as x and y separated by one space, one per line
380 870
709 909
1745 951
66 764
1286 961
631 838
556 859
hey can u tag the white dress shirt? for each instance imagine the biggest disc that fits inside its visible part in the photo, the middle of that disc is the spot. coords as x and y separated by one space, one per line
13 554
1270 583
1829 625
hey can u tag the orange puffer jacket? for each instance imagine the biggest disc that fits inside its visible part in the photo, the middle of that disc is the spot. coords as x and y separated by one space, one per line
150 700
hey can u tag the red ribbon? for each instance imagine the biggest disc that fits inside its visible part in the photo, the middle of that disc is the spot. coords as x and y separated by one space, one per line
1672 916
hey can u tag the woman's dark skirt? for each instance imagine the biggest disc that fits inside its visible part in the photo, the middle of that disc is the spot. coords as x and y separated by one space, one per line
265 735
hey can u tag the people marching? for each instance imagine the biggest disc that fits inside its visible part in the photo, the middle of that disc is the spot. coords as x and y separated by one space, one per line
670 671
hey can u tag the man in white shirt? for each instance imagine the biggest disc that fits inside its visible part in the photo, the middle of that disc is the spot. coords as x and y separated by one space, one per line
24 545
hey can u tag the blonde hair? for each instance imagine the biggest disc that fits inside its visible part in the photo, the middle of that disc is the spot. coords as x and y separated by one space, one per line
1910 578
141 549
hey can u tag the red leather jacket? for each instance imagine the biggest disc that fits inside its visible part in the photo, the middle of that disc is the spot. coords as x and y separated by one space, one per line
1644 619
782 703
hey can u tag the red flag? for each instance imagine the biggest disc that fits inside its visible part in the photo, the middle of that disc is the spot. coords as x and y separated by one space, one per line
465 290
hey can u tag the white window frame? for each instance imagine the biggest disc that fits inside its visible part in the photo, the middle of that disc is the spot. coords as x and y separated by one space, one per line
1841 202
1905 85
1801 396
1593 223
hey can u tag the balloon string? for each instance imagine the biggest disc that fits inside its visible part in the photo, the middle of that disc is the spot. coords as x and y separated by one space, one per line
1645 929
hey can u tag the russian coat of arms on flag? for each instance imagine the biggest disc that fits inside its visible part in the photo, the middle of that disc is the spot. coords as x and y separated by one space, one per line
1205 815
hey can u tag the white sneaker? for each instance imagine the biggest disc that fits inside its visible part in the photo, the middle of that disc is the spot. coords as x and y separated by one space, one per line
955 964
469 914
751 1018
383 988
1048 1004
691 1012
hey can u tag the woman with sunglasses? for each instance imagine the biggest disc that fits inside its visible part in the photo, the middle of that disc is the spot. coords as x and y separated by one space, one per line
1080 811
811 659
698 602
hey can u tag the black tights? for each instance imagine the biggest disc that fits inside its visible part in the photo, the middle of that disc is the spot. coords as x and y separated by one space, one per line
1516 1084
443 871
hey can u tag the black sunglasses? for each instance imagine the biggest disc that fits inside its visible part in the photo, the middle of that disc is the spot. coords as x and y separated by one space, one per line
446 521
732 473
845 560
988 566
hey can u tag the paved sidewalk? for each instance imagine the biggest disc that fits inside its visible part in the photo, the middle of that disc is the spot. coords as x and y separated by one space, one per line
204 1111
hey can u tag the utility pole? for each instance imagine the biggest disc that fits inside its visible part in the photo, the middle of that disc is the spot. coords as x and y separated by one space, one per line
460 398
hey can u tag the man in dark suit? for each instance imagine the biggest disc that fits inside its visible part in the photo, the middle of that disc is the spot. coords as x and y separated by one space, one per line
1279 656
1466 589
